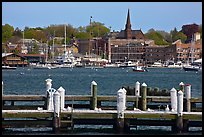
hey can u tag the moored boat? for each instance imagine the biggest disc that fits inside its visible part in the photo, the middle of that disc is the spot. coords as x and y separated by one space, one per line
139 69
8 67
192 68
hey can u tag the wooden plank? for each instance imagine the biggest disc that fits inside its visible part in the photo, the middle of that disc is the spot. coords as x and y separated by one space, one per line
150 115
20 107
88 98
23 97
26 123
26 114
192 115
77 97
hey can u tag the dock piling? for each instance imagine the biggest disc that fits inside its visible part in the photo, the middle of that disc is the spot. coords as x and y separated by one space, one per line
121 106
137 93
181 86
179 120
94 95
173 94
188 97
144 96
50 93
56 101
2 88
61 91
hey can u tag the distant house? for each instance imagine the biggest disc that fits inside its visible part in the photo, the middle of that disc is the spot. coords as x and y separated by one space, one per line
13 60
34 58
13 48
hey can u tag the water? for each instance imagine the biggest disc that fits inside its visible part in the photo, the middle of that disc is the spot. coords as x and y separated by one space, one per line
77 81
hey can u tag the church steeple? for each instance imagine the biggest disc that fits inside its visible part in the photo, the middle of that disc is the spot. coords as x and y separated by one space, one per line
128 31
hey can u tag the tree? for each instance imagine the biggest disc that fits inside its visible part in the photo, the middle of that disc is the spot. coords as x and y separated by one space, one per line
157 37
97 29
7 32
17 32
179 35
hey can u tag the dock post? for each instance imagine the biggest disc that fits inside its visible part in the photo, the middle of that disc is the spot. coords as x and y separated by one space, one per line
144 96
188 97
56 119
2 88
94 95
50 93
179 121
61 90
187 93
48 83
137 93
121 106
173 94
181 85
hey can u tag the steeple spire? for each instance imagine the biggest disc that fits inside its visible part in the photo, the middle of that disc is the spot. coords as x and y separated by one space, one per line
128 30
128 25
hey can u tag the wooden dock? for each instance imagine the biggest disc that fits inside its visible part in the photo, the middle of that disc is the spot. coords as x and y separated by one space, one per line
62 112
81 113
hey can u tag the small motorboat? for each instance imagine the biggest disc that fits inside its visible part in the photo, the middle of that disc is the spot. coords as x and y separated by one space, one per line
139 69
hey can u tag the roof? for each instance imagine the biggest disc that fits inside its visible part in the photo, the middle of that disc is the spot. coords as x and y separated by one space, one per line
6 54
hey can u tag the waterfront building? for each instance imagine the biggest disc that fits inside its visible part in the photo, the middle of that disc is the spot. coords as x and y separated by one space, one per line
186 52
13 60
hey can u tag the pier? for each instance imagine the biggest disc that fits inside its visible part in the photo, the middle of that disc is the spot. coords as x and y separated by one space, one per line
62 112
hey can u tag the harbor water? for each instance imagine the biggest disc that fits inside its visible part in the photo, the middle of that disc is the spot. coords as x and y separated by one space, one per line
77 81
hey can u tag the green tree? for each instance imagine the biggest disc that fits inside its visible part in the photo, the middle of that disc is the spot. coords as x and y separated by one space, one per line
157 37
7 32
181 36
35 49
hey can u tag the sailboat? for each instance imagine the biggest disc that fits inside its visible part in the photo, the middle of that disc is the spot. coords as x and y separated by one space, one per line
192 66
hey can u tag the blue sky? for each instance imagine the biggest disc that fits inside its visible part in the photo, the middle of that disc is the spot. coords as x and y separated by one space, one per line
145 15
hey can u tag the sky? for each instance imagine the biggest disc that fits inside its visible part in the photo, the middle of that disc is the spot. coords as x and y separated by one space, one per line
143 15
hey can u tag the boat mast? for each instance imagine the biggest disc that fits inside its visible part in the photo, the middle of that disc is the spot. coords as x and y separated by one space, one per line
192 48
53 48
65 39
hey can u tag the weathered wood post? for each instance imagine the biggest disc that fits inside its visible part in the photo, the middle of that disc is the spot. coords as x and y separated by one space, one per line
121 106
187 93
137 93
48 84
188 97
56 119
50 93
2 88
179 123
61 91
144 96
94 95
173 94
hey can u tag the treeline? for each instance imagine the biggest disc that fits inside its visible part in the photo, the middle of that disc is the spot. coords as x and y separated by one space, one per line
96 29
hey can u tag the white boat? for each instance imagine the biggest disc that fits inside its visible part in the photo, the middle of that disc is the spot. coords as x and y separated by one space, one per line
157 64
139 69
111 65
43 66
128 64
174 65
8 67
